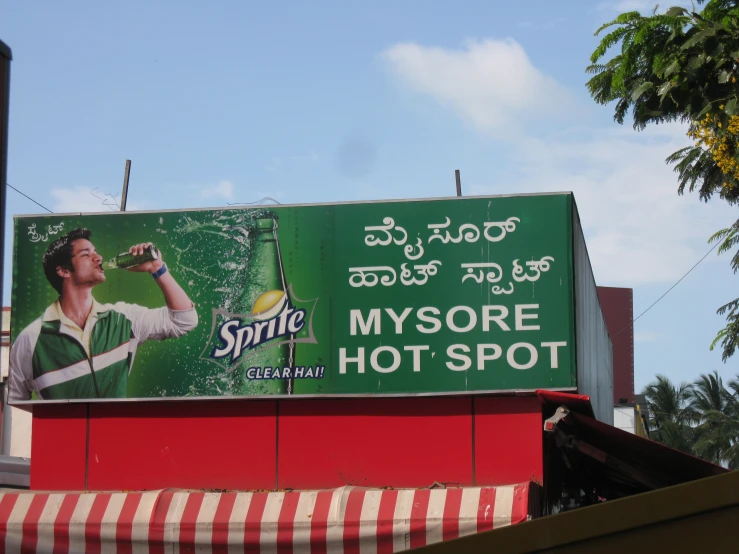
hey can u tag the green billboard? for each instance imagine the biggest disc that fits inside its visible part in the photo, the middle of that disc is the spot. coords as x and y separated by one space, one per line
439 296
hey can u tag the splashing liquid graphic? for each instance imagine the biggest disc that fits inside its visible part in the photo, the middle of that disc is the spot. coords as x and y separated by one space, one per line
250 250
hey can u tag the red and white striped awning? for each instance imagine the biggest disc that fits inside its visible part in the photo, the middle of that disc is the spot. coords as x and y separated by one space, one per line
347 519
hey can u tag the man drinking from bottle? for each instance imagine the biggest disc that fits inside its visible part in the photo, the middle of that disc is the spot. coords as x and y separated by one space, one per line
80 348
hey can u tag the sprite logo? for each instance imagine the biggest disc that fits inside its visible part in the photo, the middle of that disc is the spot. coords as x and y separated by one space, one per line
275 318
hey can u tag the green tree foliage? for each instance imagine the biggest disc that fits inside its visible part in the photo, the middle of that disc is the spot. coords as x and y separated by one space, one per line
700 418
732 454
682 66
729 335
670 414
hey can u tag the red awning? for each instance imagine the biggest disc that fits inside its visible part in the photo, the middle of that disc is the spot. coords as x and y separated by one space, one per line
348 518
615 460
575 402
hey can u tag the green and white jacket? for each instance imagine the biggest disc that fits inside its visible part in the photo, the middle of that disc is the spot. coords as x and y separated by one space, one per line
48 358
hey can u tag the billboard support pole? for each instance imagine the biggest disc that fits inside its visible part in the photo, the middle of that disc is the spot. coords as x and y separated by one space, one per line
124 194
459 182
5 57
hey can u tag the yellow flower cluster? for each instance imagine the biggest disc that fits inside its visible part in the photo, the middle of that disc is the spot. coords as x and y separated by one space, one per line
723 147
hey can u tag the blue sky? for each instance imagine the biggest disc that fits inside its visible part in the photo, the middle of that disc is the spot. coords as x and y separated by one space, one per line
334 101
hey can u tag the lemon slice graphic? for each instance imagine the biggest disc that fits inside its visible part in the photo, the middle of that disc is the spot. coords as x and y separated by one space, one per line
269 304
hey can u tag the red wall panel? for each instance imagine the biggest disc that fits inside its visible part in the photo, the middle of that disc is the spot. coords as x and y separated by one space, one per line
222 444
617 305
59 447
299 444
375 442
508 440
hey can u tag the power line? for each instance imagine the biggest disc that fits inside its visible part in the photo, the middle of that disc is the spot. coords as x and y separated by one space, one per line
261 201
31 199
267 199
672 287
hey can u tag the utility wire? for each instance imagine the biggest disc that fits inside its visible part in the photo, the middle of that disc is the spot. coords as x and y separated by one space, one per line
261 201
31 199
267 199
668 290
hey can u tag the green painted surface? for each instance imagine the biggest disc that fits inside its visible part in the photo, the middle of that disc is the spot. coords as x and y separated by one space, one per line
395 309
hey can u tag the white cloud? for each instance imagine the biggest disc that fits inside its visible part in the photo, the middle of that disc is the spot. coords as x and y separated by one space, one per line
637 228
491 84
83 199
221 190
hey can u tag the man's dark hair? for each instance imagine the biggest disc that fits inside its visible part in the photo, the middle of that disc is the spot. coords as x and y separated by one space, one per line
59 254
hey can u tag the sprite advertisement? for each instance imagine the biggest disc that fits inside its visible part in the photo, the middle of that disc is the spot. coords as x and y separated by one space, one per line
409 297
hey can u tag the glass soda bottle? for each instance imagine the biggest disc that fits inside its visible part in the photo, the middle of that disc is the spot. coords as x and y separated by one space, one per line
266 281
126 259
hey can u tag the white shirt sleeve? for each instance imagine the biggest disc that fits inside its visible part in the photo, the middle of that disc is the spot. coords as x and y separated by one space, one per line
158 323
